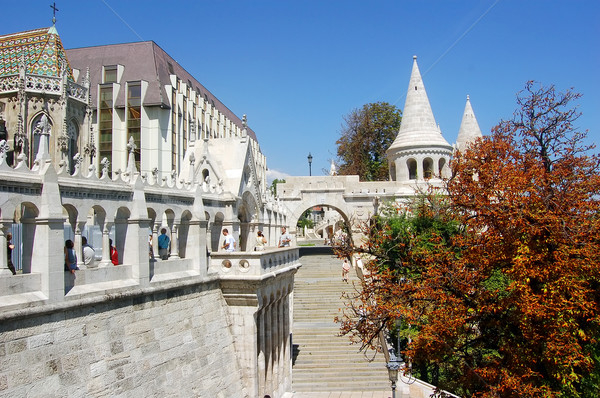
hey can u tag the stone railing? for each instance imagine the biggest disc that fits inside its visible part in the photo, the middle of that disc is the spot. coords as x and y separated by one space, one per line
44 85
256 264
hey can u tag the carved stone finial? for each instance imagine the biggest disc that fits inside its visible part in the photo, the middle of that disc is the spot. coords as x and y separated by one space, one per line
131 145
4 148
77 161
105 165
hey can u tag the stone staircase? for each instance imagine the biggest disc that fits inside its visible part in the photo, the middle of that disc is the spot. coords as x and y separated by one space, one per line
324 361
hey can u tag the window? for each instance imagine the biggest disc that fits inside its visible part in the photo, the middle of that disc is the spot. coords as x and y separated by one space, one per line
110 74
441 165
105 123
73 134
185 125
134 112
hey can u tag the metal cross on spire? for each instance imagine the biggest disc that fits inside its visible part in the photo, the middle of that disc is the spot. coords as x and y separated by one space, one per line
54 9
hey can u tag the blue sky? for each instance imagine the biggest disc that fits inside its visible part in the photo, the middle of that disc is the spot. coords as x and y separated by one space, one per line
297 67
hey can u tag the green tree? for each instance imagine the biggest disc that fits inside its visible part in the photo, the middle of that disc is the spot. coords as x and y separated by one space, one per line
366 135
273 187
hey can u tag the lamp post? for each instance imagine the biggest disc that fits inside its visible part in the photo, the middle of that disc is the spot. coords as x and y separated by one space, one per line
392 366
309 164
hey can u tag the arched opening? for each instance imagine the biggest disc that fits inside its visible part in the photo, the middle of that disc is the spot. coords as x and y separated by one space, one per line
27 216
441 167
412 169
183 232
215 231
41 124
393 171
427 168
72 143
121 241
322 224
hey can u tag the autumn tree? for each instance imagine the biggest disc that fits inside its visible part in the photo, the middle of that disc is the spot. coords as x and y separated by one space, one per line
366 135
502 288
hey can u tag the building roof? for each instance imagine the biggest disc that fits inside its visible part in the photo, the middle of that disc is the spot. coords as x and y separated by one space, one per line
469 128
418 128
142 61
41 49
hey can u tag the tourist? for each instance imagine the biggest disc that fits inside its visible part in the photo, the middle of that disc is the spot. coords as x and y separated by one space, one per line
70 256
345 270
229 242
88 253
163 244
260 241
114 254
285 238
9 249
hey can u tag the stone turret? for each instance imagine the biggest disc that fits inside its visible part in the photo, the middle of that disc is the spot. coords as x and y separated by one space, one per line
419 151
469 128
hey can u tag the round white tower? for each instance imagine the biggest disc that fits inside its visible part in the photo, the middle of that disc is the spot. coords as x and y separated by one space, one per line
419 151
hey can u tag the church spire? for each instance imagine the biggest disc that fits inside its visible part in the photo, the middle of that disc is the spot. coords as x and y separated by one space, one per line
469 128
418 128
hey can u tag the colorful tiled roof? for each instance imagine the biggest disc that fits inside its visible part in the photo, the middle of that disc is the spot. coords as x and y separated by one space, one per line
41 48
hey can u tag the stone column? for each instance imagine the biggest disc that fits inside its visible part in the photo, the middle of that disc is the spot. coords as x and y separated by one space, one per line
174 241
105 262
155 228
77 243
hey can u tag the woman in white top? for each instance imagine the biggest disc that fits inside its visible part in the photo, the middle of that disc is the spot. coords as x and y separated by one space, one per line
260 241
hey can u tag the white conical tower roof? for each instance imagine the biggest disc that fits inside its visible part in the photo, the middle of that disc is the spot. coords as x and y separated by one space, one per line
418 128
469 128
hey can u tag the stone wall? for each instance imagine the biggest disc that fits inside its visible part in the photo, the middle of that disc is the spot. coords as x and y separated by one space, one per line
166 343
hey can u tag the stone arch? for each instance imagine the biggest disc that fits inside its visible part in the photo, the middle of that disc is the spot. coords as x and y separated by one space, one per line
121 239
411 165
428 171
441 167
33 139
248 215
27 215
73 142
341 209
215 231
183 232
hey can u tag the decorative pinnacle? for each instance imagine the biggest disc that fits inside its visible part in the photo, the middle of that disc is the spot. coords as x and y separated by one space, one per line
54 9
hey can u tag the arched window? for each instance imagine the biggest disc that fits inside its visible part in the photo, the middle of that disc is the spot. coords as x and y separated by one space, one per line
73 147
39 124
427 168
412 169
441 165
205 174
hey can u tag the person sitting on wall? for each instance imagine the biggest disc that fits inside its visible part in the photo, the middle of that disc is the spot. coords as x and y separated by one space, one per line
114 254
88 253
229 242
70 256
163 244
